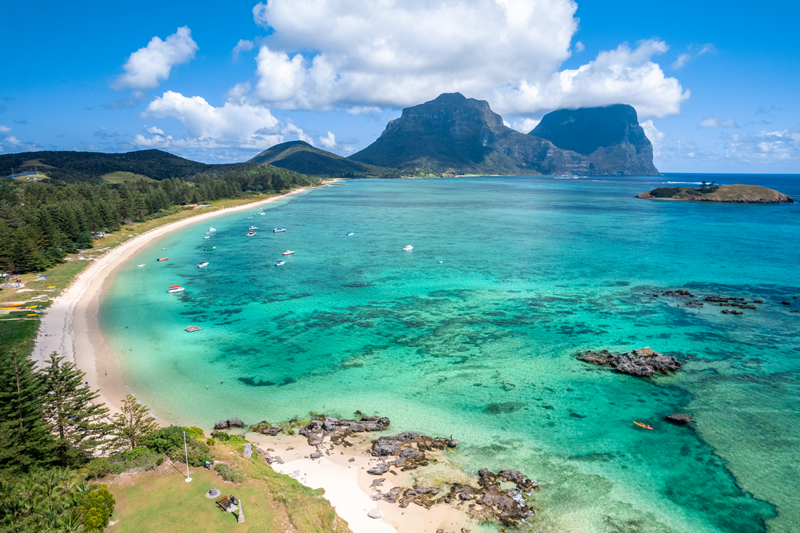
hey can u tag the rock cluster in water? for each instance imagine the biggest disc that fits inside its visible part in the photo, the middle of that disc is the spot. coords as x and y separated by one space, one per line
408 451
640 363
678 419
229 423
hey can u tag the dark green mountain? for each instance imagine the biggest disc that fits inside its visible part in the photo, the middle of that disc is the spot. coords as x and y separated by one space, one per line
90 166
457 135
610 137
301 157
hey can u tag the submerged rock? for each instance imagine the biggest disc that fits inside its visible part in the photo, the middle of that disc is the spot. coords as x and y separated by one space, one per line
639 363
680 420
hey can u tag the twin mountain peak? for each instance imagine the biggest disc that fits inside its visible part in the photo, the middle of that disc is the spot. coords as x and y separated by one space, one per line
454 135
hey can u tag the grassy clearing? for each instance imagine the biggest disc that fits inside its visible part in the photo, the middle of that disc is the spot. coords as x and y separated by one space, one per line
18 334
38 176
121 177
272 502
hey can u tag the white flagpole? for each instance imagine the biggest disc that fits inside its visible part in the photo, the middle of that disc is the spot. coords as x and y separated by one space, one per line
186 451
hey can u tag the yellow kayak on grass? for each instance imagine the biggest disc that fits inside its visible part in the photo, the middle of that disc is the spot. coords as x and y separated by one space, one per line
645 426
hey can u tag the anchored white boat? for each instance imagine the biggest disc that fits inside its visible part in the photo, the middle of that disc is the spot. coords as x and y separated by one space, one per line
203 264
350 234
288 252
140 266
252 228
279 263
251 234
207 237
176 288
408 248
212 229
278 230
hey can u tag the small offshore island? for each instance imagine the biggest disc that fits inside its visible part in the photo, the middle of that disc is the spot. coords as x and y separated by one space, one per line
724 194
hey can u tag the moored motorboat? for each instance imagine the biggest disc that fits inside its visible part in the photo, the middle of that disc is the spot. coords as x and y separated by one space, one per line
203 264
408 248
278 230
207 237
350 234
252 228
279 263
176 288
212 229
288 252
208 249
162 258
140 266
251 234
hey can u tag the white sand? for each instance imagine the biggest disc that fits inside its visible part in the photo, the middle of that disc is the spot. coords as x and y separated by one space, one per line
69 326
341 489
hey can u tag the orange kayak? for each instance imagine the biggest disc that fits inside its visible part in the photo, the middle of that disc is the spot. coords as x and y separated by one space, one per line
645 426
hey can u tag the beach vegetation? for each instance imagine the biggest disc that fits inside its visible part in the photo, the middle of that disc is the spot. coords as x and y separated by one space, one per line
77 422
132 424
169 441
53 500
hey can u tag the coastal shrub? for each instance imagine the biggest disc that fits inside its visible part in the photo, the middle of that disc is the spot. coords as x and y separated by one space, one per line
159 461
665 192
97 507
228 474
195 432
97 468
211 441
169 441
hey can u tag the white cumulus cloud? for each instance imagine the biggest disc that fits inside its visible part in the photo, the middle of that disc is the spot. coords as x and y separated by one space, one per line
393 53
242 46
655 136
154 130
4 129
12 140
525 125
715 122
147 66
237 124
328 141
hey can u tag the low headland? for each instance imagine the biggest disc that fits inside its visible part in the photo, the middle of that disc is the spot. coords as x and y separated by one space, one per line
724 194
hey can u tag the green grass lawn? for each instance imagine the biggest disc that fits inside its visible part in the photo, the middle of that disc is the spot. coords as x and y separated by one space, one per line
18 334
168 503
272 502
121 177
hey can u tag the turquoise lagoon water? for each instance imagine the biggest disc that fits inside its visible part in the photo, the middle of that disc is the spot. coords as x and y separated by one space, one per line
483 344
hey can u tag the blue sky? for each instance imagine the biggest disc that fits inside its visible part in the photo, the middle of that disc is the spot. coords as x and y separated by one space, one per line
715 83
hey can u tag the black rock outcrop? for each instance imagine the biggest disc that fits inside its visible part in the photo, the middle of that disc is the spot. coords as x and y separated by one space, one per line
610 137
640 363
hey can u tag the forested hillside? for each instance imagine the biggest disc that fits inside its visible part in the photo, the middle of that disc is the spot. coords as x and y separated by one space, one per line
40 223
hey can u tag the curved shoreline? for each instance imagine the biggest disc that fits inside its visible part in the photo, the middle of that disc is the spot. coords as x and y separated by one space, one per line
70 325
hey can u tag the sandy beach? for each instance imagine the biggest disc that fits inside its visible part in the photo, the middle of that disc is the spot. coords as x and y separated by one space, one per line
70 327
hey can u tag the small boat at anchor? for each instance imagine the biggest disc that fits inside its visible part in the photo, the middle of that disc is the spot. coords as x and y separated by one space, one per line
163 249
212 229
162 258
209 249
350 234
190 329
176 288
206 237
203 264
280 263
288 252
252 228
251 234
140 266
278 230
408 248
645 426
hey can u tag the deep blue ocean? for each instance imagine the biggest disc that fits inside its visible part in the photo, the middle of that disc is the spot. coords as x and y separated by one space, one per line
475 332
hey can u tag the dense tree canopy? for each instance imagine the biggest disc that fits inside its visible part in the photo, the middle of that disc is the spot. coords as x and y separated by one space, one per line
41 223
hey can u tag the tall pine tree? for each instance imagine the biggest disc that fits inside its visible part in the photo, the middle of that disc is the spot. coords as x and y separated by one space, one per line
25 439
133 423
78 424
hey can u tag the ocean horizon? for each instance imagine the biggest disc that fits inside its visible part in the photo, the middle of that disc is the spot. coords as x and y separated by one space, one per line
475 333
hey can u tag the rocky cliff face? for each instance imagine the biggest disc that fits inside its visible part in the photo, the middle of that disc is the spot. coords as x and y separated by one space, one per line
610 137
454 134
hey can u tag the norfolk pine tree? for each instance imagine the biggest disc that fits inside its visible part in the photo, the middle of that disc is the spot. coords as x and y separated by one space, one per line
133 423
25 439
78 424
